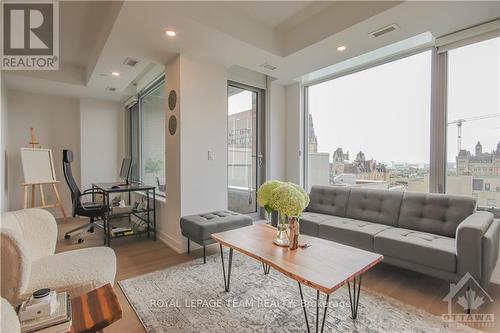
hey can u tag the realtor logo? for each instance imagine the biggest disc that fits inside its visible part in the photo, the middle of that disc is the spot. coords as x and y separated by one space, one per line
466 303
30 36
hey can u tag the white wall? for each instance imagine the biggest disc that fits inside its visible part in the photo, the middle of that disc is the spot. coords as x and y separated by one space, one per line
170 212
294 133
102 140
246 76
276 132
4 199
194 183
56 121
203 120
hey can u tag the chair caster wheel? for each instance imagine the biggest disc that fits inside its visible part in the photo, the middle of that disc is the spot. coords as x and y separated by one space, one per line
67 236
80 240
91 230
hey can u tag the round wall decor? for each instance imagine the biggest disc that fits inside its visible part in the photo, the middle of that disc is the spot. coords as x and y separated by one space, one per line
172 125
172 100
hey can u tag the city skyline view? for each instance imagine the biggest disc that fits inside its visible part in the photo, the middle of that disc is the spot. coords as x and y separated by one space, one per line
397 94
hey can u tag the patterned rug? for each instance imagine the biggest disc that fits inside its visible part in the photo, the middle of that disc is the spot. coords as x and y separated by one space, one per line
191 298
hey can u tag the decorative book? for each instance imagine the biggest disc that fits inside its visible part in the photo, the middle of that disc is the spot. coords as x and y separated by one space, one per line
59 321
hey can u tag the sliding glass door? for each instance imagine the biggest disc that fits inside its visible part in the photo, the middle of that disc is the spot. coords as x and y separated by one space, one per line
245 159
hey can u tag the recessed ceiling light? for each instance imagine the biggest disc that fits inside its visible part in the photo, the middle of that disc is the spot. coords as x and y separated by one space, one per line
341 48
115 73
170 33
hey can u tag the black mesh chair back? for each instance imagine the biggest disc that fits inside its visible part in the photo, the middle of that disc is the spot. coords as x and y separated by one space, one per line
70 180
88 207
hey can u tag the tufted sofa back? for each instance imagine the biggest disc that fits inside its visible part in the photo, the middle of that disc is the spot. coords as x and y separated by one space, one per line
438 214
330 200
373 205
434 213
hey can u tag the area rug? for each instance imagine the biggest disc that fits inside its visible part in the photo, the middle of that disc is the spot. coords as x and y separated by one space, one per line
190 298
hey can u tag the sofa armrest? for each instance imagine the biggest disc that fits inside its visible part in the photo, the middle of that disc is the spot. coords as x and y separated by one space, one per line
15 266
491 243
37 227
469 238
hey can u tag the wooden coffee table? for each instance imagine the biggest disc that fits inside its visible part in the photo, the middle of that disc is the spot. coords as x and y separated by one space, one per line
95 310
324 266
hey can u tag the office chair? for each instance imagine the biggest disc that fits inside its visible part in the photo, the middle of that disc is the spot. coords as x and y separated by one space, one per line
82 206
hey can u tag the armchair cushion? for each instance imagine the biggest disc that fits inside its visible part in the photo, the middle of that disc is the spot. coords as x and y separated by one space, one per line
469 243
76 272
9 320
36 226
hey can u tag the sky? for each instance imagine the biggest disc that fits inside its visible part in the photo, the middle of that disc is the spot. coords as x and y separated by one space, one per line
385 111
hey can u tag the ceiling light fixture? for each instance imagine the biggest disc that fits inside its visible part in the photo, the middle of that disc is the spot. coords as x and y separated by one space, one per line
341 48
170 33
115 74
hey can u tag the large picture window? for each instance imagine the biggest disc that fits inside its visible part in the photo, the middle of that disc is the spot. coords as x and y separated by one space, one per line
372 128
473 105
147 137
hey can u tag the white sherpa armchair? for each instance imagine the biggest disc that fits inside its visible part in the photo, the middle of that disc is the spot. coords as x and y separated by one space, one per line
28 262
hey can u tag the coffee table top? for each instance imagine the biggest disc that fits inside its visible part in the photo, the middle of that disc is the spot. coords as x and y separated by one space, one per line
324 266
95 310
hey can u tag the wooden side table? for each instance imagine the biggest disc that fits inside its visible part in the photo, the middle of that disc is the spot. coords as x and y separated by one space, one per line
95 310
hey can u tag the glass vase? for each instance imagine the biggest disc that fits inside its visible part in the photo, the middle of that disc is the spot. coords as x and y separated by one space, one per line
294 232
281 238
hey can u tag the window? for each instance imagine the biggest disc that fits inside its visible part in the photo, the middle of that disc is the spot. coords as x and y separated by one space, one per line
147 137
477 184
372 128
473 113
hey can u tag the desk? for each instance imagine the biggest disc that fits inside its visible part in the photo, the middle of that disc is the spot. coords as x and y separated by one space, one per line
144 215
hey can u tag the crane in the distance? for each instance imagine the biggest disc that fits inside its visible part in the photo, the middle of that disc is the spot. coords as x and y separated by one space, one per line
459 123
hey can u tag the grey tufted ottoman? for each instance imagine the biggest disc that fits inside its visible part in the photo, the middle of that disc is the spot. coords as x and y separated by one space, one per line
199 228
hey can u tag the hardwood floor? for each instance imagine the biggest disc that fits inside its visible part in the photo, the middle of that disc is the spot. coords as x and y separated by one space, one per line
137 256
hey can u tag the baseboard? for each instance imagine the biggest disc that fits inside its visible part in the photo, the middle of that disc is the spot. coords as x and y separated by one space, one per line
171 242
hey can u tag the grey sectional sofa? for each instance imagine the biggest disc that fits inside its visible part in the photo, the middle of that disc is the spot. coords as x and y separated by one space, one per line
435 234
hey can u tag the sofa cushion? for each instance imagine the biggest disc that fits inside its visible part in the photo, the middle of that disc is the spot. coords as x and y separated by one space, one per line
423 248
330 200
372 205
309 222
351 232
434 213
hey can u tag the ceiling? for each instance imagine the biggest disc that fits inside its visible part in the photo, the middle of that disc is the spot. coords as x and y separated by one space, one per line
80 22
298 37
272 13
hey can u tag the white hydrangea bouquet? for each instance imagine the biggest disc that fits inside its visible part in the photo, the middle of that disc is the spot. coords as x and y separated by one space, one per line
288 199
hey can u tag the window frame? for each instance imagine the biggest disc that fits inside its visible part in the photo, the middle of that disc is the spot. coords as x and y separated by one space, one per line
438 116
148 89
305 113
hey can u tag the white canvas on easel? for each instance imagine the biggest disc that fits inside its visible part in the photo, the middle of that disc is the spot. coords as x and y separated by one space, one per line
38 165
38 169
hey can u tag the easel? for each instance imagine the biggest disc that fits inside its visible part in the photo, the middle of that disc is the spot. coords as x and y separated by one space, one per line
33 144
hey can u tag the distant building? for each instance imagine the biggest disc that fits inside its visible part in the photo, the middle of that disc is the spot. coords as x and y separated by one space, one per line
339 161
480 164
313 139
478 175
